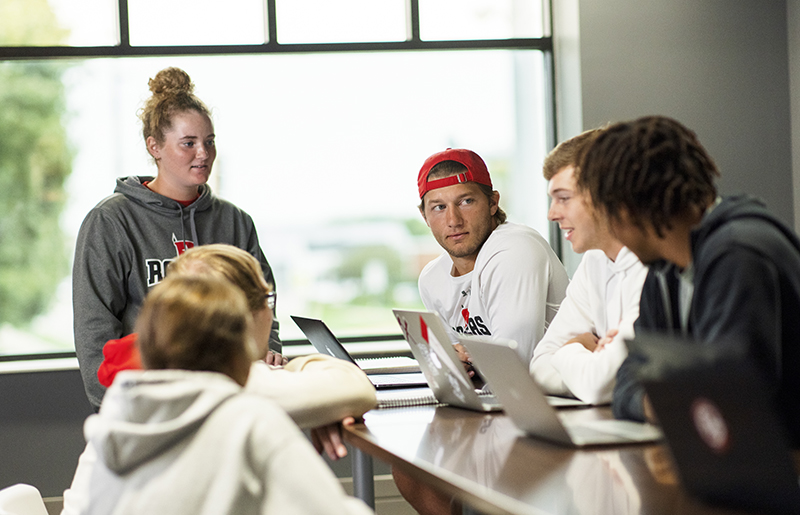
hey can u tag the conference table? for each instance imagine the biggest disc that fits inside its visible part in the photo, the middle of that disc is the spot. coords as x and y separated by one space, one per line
493 468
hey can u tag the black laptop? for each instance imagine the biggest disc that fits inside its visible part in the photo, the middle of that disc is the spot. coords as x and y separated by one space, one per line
389 372
720 425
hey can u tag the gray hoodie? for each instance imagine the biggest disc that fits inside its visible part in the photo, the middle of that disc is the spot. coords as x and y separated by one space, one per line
124 246
176 441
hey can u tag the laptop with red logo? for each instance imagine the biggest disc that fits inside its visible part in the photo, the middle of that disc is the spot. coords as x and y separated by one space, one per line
430 343
726 440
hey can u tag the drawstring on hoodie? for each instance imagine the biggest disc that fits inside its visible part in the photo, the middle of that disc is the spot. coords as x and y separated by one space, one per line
183 229
192 225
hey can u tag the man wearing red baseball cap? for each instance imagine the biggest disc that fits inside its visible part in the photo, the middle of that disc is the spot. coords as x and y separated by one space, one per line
495 278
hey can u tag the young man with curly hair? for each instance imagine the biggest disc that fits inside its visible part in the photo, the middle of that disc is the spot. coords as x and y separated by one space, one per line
721 269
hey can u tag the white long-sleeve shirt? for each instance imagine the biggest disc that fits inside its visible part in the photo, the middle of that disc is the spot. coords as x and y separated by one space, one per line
602 295
513 291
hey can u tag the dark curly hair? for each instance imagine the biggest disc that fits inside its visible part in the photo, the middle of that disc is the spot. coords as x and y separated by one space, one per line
654 168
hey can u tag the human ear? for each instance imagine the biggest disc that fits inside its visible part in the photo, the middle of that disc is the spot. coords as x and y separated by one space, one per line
153 147
495 202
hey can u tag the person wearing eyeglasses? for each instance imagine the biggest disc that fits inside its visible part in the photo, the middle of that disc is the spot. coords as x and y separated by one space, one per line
318 392
126 242
186 434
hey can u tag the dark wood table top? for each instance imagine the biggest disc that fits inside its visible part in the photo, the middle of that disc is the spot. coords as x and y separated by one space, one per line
486 462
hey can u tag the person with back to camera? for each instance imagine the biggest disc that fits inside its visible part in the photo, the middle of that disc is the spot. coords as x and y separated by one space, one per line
126 242
317 391
183 436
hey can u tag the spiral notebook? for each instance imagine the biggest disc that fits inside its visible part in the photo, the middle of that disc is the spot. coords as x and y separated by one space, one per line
407 397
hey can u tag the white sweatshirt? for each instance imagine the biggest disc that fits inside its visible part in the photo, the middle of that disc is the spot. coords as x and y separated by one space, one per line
602 295
178 441
513 292
314 390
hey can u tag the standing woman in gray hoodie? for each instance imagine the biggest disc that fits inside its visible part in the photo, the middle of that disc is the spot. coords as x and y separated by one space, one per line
126 242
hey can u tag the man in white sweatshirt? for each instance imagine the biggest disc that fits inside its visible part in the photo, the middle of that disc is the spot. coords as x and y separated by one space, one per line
583 346
494 278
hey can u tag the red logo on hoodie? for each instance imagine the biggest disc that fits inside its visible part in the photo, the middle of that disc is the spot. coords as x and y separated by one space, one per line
181 245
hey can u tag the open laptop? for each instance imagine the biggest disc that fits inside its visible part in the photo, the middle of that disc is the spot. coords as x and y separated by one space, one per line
719 423
525 402
429 341
393 372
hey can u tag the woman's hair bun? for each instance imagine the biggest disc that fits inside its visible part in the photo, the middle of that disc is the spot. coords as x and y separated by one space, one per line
171 81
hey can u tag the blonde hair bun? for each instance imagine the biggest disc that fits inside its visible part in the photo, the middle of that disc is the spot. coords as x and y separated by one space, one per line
171 81
172 90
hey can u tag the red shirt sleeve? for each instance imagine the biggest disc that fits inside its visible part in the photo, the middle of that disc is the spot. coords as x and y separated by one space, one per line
118 355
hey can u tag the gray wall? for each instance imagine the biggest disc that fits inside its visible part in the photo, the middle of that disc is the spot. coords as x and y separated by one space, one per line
718 66
41 428
793 17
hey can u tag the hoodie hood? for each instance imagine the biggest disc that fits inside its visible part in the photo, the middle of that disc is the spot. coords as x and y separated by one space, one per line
713 237
145 413
134 189
625 260
739 207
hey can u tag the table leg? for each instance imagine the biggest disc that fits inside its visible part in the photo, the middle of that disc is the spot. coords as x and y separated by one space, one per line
363 477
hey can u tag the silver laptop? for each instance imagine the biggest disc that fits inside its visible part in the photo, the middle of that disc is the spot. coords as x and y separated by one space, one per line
526 404
429 341
382 372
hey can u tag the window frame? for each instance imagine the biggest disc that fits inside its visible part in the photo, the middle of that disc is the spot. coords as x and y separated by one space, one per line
413 42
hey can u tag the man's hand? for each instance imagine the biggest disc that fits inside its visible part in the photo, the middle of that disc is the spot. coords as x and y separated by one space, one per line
328 439
588 340
605 340
276 359
463 355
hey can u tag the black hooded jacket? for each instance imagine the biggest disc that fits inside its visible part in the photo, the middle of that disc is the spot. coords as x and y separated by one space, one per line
746 288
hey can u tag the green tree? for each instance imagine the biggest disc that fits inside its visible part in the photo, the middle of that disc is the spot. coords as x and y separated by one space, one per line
353 266
35 160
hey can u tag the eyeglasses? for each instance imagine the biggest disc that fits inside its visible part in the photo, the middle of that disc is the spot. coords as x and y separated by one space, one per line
270 298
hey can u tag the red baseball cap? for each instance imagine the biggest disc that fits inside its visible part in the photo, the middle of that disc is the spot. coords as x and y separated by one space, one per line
476 170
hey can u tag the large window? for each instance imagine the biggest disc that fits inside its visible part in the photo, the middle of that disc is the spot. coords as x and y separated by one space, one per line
321 127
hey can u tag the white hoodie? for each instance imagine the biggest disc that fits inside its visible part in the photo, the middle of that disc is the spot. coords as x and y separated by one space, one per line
177 441
602 295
